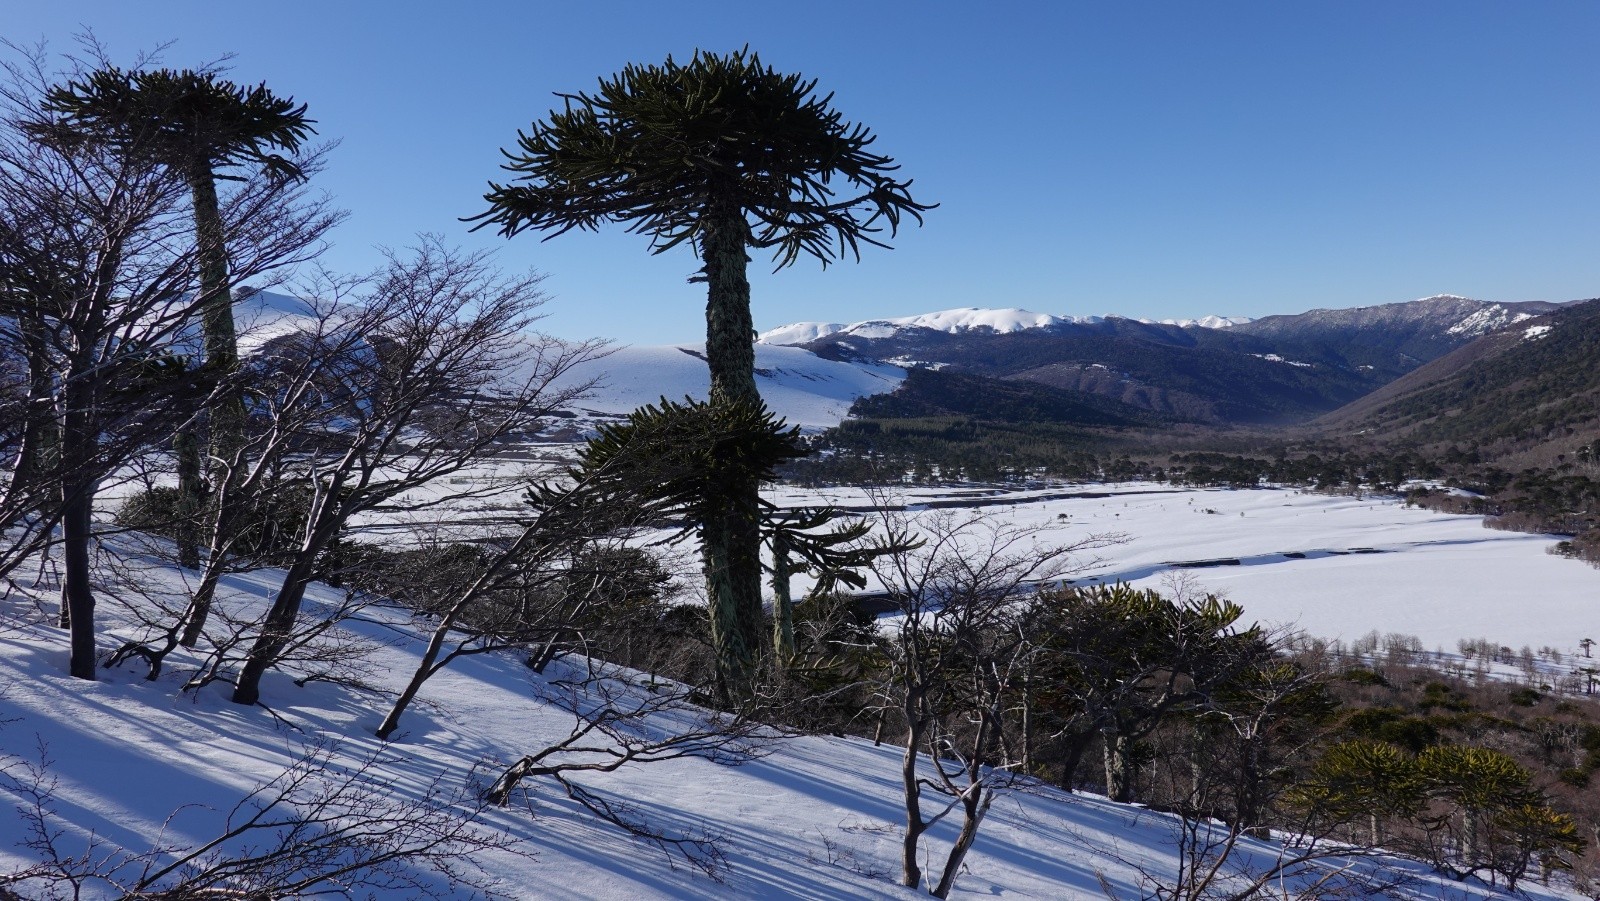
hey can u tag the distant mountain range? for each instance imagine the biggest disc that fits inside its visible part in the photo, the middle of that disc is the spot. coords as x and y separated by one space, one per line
1274 370
1525 393
1433 371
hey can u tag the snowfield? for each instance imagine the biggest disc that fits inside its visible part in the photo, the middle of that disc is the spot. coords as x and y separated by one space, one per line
1331 566
140 764
798 385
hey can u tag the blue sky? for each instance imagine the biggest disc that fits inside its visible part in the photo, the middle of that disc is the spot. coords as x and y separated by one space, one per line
1149 159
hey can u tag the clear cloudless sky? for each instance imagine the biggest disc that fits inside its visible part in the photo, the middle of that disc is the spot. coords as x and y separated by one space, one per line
1152 159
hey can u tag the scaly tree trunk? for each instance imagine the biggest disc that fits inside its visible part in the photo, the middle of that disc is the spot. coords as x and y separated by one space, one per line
222 357
191 506
782 603
732 536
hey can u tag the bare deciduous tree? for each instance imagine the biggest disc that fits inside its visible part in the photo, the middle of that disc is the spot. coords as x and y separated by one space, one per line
538 590
393 383
94 269
956 652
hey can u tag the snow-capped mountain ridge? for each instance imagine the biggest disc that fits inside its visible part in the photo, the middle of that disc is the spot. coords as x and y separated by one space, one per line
1273 369
801 387
1451 314
1441 314
1217 322
964 319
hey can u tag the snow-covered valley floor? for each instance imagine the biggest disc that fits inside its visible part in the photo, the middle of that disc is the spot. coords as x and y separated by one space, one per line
1333 566
141 764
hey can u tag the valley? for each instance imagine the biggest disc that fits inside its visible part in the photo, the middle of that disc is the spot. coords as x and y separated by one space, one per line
468 561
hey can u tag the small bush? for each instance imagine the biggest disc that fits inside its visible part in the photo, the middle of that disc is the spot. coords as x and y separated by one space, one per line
1525 697
154 510
1360 675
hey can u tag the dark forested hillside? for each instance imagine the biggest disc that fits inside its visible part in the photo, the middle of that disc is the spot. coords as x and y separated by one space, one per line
1165 369
930 392
1273 371
1394 337
1532 392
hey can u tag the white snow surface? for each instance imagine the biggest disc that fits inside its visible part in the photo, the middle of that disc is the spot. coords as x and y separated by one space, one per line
139 764
798 385
805 389
1369 563
1486 320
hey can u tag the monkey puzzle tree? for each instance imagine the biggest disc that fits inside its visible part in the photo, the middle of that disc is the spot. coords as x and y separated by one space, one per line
724 154
201 126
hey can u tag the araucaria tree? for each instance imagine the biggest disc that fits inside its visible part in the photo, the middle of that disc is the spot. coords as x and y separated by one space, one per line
723 154
199 126
95 272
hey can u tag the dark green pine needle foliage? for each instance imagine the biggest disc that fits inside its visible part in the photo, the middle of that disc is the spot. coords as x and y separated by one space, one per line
186 116
200 126
681 460
655 147
688 463
723 154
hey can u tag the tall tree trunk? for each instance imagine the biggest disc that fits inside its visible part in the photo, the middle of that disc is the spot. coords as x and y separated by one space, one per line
1119 766
730 330
735 630
77 528
732 536
77 597
782 603
190 509
227 417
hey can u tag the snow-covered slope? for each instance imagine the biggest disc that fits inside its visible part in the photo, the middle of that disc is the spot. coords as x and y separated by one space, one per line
798 385
803 388
138 764
261 316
